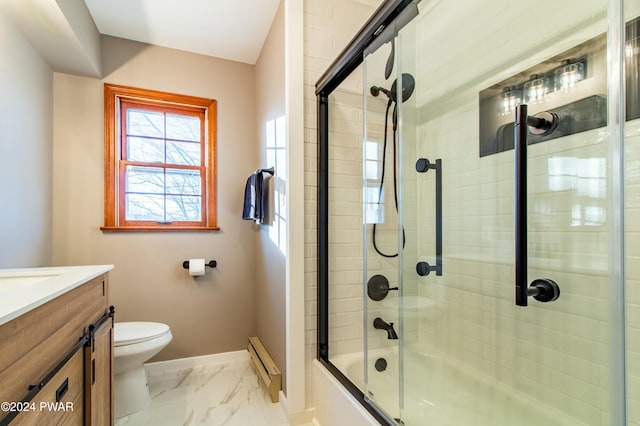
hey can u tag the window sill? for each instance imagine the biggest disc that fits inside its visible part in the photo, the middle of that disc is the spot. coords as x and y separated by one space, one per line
158 228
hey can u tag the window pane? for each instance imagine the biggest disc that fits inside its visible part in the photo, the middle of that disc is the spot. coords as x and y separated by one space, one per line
144 180
183 208
144 149
271 157
373 206
145 123
183 153
180 181
183 128
281 163
144 207
281 132
371 170
372 150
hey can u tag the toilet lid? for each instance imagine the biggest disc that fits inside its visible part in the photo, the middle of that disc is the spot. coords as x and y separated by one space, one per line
128 333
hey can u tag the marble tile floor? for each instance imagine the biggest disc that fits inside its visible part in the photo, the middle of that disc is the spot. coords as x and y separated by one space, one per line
222 393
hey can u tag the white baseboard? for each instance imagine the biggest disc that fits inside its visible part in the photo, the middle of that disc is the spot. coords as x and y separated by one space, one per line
300 418
180 363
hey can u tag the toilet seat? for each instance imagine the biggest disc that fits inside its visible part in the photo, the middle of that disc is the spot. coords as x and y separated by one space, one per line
129 333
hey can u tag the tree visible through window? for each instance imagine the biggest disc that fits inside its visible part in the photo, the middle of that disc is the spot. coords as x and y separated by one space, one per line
160 162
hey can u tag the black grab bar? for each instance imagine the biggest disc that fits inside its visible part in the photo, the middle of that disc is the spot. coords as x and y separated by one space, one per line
423 165
542 289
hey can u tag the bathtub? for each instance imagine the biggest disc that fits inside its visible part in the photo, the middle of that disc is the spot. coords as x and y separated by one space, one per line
383 386
435 392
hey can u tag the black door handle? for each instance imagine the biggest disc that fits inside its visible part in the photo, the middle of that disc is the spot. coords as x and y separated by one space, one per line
543 290
422 166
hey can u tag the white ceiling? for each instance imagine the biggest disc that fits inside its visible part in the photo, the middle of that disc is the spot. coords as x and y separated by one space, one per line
234 30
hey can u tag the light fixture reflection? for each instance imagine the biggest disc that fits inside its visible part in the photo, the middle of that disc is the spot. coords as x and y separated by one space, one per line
511 98
535 89
568 75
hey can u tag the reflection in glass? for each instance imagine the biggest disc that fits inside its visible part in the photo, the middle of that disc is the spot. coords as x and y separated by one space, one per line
568 75
511 98
373 199
535 89
587 176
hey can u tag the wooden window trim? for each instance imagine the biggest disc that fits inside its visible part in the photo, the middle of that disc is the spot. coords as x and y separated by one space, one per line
111 162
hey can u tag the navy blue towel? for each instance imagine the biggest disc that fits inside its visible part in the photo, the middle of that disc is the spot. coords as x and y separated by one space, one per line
255 198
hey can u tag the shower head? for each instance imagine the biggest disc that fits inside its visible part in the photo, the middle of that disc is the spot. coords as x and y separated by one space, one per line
375 91
408 85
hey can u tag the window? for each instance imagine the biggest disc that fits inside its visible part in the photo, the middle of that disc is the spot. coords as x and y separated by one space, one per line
159 160
276 138
373 194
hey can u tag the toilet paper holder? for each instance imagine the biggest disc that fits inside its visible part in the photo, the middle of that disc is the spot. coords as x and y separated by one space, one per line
211 264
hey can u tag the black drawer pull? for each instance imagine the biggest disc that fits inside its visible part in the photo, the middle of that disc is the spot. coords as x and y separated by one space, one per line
62 389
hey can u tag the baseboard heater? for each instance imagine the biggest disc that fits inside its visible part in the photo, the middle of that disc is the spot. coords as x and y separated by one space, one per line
266 368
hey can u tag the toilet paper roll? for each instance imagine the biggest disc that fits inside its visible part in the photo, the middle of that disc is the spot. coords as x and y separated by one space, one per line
196 267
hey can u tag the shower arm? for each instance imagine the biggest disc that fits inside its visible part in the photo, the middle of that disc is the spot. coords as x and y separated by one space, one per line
541 289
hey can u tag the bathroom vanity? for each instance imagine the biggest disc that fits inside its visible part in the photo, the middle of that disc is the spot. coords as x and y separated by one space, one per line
56 346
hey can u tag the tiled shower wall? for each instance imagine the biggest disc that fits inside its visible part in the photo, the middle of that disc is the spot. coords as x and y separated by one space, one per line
632 228
556 353
329 25
347 134
345 217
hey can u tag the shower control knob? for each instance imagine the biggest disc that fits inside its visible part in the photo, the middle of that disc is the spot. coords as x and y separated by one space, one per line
423 269
378 287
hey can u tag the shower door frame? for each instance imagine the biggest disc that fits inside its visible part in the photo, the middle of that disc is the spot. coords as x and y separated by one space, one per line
346 62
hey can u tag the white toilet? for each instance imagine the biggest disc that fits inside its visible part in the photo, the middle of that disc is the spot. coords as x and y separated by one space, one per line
134 344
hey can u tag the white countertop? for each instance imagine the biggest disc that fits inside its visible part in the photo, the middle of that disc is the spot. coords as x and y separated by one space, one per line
22 290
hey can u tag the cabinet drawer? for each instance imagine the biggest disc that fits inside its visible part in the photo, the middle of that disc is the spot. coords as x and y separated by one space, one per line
61 400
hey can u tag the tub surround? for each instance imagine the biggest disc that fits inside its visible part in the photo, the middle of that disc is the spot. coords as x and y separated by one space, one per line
22 290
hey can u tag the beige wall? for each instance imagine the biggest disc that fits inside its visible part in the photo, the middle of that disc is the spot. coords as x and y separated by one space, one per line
270 256
25 152
209 314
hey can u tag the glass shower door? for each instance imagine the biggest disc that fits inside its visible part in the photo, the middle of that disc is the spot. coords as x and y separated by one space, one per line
472 351
382 238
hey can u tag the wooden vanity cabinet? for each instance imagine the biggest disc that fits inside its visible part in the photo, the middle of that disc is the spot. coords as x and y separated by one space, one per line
60 401
98 359
35 344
